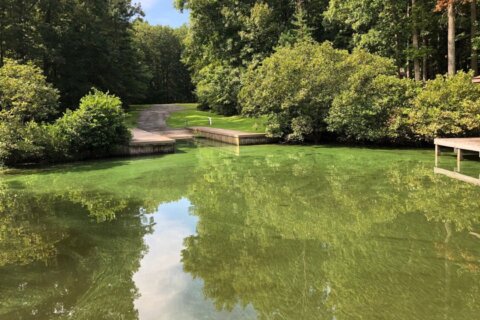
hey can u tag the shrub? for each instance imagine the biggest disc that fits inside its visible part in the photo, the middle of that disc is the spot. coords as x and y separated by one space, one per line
22 142
373 106
94 129
25 93
218 88
448 106
295 87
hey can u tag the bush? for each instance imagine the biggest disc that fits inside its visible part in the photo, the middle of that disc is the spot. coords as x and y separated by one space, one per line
295 87
218 88
27 100
372 108
22 142
448 106
25 93
94 129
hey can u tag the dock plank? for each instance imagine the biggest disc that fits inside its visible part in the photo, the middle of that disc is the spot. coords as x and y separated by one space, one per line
470 144
457 176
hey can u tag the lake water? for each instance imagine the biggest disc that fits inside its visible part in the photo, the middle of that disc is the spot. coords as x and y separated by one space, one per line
261 232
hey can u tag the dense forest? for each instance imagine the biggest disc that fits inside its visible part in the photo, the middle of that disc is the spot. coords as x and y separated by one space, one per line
354 70
414 33
104 44
95 43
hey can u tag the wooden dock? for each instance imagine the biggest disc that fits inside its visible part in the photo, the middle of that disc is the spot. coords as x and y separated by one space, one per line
459 145
234 137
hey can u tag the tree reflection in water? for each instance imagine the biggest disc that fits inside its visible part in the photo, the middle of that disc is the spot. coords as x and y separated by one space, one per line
306 238
292 232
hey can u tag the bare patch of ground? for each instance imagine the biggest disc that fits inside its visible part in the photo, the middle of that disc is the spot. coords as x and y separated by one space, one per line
154 120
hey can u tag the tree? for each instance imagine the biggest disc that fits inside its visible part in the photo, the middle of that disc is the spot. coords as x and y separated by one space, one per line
22 142
236 34
161 49
25 94
447 107
217 88
373 106
449 5
295 87
79 44
473 34
416 46
380 27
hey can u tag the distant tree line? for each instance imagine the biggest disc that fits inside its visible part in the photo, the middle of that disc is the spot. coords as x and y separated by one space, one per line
95 43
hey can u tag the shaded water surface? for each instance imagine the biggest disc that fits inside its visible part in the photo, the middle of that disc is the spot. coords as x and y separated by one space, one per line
264 232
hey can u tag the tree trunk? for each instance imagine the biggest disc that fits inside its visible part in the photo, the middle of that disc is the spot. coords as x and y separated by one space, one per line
473 34
416 60
407 66
425 62
451 38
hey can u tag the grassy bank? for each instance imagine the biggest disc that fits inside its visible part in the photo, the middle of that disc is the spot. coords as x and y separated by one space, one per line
190 116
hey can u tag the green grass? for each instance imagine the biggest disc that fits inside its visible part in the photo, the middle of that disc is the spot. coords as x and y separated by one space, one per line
190 116
133 113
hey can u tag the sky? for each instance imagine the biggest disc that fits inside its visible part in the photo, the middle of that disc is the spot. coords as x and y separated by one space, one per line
162 12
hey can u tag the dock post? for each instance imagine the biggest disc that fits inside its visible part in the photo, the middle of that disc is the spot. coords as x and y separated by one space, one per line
437 154
459 158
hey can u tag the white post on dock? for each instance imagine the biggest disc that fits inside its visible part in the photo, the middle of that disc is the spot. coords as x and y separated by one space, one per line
459 158
437 154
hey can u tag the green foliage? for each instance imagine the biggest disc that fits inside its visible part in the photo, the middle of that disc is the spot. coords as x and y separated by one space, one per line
94 129
259 34
160 54
300 30
25 94
22 142
385 27
372 106
375 113
295 87
27 100
448 106
307 86
217 88
84 44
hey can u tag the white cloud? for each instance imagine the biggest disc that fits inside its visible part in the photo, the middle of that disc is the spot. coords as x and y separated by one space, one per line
166 291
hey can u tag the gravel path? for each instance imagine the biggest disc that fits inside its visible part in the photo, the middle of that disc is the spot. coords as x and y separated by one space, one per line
154 118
